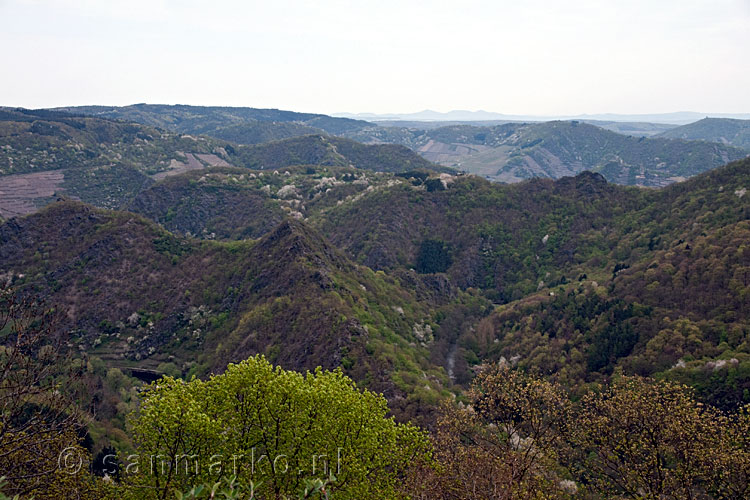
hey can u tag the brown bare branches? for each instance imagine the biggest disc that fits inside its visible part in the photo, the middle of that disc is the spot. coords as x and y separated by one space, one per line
38 417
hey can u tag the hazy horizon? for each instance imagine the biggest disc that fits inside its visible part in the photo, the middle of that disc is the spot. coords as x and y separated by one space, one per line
540 58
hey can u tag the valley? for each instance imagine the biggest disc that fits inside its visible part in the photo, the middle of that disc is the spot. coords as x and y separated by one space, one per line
375 251
175 255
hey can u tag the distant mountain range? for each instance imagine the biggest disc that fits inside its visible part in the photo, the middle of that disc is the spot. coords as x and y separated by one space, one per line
501 150
677 118
639 129
515 151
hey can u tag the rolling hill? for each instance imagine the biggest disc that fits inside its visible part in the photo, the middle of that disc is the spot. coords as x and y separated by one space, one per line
332 151
44 154
508 152
234 203
217 120
514 151
258 132
409 282
721 130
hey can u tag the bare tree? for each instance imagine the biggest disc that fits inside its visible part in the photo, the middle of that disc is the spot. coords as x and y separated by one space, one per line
39 422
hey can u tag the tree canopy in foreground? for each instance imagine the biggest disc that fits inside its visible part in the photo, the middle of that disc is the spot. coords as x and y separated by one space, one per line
273 430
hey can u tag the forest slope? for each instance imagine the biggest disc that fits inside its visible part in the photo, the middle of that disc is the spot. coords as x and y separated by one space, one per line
721 130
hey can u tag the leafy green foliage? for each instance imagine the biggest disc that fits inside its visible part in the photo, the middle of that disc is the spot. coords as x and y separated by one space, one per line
651 440
273 429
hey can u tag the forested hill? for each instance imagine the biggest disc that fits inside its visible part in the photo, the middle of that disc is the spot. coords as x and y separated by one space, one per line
644 261
514 151
624 268
721 130
508 152
158 301
45 154
412 284
333 151
223 122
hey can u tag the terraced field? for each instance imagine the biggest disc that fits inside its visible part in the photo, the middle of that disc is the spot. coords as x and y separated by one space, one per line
19 193
110 187
448 154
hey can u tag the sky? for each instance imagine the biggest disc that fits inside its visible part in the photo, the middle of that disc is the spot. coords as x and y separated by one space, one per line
515 57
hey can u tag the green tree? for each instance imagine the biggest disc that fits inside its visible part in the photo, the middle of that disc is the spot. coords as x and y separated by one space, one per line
275 430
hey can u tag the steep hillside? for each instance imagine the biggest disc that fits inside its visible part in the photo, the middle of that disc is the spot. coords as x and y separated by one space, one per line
721 130
566 148
504 239
234 203
675 302
582 268
515 151
213 204
135 295
210 119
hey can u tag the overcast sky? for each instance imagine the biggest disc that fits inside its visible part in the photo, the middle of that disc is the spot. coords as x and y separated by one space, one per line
515 57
